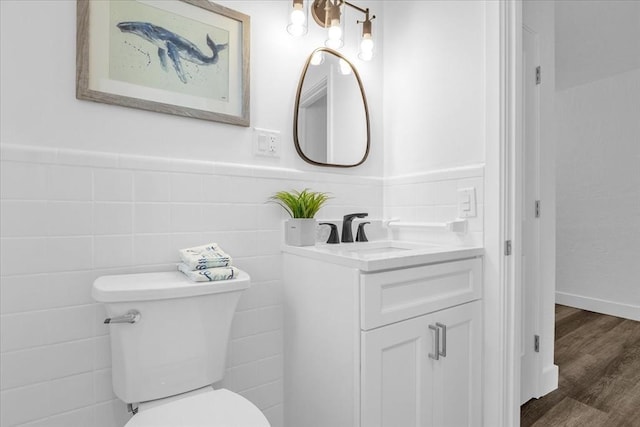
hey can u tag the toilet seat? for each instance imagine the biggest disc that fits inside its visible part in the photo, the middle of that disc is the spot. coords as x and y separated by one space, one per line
214 408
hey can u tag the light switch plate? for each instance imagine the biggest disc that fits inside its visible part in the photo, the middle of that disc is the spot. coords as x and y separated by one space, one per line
467 202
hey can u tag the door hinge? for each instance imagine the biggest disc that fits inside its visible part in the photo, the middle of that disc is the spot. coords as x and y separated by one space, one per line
536 343
538 75
507 247
537 208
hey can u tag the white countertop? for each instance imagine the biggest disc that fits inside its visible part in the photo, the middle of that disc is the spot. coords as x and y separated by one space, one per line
384 254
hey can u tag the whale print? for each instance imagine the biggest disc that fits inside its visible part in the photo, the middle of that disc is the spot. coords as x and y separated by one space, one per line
173 46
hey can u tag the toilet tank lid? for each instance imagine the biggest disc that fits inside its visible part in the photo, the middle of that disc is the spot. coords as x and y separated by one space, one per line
162 285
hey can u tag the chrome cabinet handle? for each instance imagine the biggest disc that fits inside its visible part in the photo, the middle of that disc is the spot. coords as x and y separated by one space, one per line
132 316
443 353
436 354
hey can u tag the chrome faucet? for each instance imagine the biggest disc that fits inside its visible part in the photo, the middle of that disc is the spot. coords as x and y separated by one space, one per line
347 234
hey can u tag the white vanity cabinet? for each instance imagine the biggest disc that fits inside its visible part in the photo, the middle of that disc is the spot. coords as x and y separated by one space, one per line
360 346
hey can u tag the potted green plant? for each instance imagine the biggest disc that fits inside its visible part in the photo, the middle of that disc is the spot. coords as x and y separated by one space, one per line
302 206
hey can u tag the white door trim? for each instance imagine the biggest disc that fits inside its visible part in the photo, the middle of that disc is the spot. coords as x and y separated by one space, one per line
502 318
511 123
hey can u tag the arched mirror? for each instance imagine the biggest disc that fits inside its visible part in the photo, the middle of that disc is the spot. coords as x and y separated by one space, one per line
331 118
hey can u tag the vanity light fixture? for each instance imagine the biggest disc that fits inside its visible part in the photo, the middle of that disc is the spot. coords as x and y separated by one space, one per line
327 14
366 44
332 21
298 19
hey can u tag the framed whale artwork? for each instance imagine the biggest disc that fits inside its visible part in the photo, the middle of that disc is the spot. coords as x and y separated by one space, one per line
182 57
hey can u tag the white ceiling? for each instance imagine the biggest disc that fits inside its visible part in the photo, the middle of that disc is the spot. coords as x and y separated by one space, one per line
595 39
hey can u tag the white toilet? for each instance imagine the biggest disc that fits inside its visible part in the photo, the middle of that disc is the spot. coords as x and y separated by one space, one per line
169 339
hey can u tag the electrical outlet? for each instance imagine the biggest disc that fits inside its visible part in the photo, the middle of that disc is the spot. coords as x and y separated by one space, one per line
272 145
266 143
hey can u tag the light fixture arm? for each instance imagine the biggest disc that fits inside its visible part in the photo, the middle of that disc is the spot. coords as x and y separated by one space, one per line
325 7
365 11
326 13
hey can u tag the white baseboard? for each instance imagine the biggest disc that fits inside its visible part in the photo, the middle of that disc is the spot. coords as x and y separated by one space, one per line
549 380
611 308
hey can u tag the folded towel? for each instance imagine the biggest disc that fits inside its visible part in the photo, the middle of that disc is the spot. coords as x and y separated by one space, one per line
209 274
205 256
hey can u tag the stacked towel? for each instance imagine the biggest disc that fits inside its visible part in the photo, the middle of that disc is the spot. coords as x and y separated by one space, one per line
205 256
206 263
209 274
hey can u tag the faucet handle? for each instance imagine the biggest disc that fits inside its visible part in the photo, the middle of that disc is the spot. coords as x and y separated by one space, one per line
333 237
360 236
355 215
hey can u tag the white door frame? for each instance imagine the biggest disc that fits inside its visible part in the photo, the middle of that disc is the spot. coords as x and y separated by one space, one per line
502 317
511 123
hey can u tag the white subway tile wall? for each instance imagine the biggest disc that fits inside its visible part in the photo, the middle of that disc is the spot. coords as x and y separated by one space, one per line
64 224
432 197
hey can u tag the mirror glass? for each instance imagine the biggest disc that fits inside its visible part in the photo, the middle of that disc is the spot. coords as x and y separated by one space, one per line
331 118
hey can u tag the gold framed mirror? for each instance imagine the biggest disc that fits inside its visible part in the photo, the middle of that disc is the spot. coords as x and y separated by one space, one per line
331 116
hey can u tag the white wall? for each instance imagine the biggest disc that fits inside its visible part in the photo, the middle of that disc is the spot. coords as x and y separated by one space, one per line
49 97
434 85
599 195
596 39
434 110
598 158
91 189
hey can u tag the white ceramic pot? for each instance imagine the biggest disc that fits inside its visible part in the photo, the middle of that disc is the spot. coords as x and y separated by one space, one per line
300 231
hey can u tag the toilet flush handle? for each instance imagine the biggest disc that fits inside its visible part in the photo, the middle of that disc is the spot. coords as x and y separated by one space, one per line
132 316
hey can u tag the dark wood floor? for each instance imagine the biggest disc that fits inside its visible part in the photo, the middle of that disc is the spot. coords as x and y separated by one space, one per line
599 384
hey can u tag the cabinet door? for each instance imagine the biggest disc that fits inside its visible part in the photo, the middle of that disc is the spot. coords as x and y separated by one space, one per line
402 386
457 375
397 375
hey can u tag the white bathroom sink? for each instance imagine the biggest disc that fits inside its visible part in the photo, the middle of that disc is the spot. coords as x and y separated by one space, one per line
383 254
375 248
378 251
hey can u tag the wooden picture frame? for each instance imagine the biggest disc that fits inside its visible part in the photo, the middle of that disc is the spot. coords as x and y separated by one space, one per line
184 57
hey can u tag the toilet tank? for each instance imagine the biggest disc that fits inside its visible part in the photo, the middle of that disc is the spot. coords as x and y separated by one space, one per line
179 342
